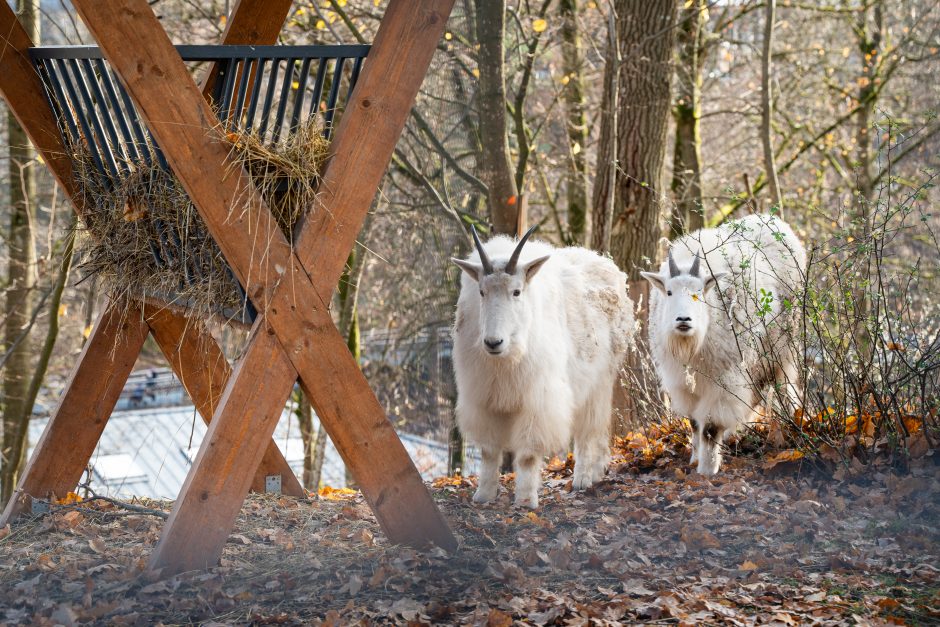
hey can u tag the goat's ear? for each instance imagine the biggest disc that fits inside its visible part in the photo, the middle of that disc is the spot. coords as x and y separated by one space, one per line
472 269
712 281
531 268
655 279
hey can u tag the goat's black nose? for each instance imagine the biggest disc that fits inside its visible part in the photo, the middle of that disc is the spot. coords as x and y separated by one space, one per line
491 344
681 319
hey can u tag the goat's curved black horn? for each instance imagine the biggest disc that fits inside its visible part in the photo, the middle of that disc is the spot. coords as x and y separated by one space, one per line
673 268
484 260
511 266
694 269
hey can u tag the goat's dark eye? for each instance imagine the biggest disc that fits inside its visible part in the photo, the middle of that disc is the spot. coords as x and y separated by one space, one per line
481 293
668 293
516 292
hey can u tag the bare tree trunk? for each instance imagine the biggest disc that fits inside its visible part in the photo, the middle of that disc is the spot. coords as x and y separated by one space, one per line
319 453
496 170
573 94
767 110
605 181
348 294
646 32
21 283
628 191
689 212
307 436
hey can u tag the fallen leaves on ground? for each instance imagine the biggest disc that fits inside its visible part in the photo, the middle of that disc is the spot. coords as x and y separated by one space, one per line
650 543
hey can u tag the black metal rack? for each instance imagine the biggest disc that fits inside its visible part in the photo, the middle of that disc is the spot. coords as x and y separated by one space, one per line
265 90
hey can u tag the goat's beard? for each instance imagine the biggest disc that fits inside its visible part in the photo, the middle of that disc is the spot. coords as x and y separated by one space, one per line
684 347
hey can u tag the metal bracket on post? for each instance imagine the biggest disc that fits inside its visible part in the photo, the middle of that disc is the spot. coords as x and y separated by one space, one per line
39 506
272 484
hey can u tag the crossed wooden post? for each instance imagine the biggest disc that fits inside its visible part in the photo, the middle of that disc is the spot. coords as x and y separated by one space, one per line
289 285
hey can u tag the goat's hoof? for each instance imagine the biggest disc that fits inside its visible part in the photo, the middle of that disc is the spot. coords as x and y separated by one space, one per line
582 482
484 496
530 502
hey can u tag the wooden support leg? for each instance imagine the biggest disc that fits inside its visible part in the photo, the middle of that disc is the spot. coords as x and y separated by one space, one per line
203 370
218 481
92 391
279 284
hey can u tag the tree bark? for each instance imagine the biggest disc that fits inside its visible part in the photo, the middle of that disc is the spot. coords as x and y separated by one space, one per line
646 35
21 283
628 190
307 437
496 170
605 180
574 99
767 106
689 212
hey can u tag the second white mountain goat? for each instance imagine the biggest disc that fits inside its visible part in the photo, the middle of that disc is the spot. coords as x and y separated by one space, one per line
717 351
539 338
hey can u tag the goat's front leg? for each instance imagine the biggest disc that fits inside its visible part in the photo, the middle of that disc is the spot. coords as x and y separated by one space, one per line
528 479
488 481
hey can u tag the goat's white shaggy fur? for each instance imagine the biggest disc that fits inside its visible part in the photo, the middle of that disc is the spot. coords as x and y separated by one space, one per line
563 326
718 350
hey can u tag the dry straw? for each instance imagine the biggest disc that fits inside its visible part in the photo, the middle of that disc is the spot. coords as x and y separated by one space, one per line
147 214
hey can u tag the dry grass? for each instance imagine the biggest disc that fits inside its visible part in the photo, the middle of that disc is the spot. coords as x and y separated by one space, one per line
147 213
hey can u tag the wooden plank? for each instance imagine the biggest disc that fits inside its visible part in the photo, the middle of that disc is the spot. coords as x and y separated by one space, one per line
23 91
264 261
253 22
76 425
203 370
218 481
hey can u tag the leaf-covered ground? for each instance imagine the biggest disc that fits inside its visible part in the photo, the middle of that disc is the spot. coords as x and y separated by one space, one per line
650 544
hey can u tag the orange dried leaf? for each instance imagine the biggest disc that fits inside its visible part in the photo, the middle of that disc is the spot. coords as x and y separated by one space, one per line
790 455
336 494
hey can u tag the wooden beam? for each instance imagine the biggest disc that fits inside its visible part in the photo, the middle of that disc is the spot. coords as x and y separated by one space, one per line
262 258
252 22
203 370
218 481
90 394
367 133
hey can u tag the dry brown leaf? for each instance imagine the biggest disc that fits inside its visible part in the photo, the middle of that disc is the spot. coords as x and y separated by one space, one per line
498 618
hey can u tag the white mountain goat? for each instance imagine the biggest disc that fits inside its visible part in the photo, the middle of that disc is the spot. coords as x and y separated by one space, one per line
539 338
718 350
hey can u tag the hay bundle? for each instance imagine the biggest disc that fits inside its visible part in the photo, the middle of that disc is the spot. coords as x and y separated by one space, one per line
144 238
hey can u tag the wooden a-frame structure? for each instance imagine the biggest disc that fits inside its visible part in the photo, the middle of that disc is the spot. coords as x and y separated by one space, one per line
290 284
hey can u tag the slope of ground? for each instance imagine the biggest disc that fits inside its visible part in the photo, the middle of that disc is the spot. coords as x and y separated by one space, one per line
656 545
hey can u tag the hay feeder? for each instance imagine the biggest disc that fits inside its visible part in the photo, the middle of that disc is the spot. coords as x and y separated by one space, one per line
134 108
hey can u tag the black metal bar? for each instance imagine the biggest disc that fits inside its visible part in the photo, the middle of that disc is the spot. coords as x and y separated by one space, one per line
246 66
137 126
214 52
269 97
129 144
115 146
82 119
92 112
289 71
61 104
354 78
230 70
334 94
255 93
317 91
299 95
